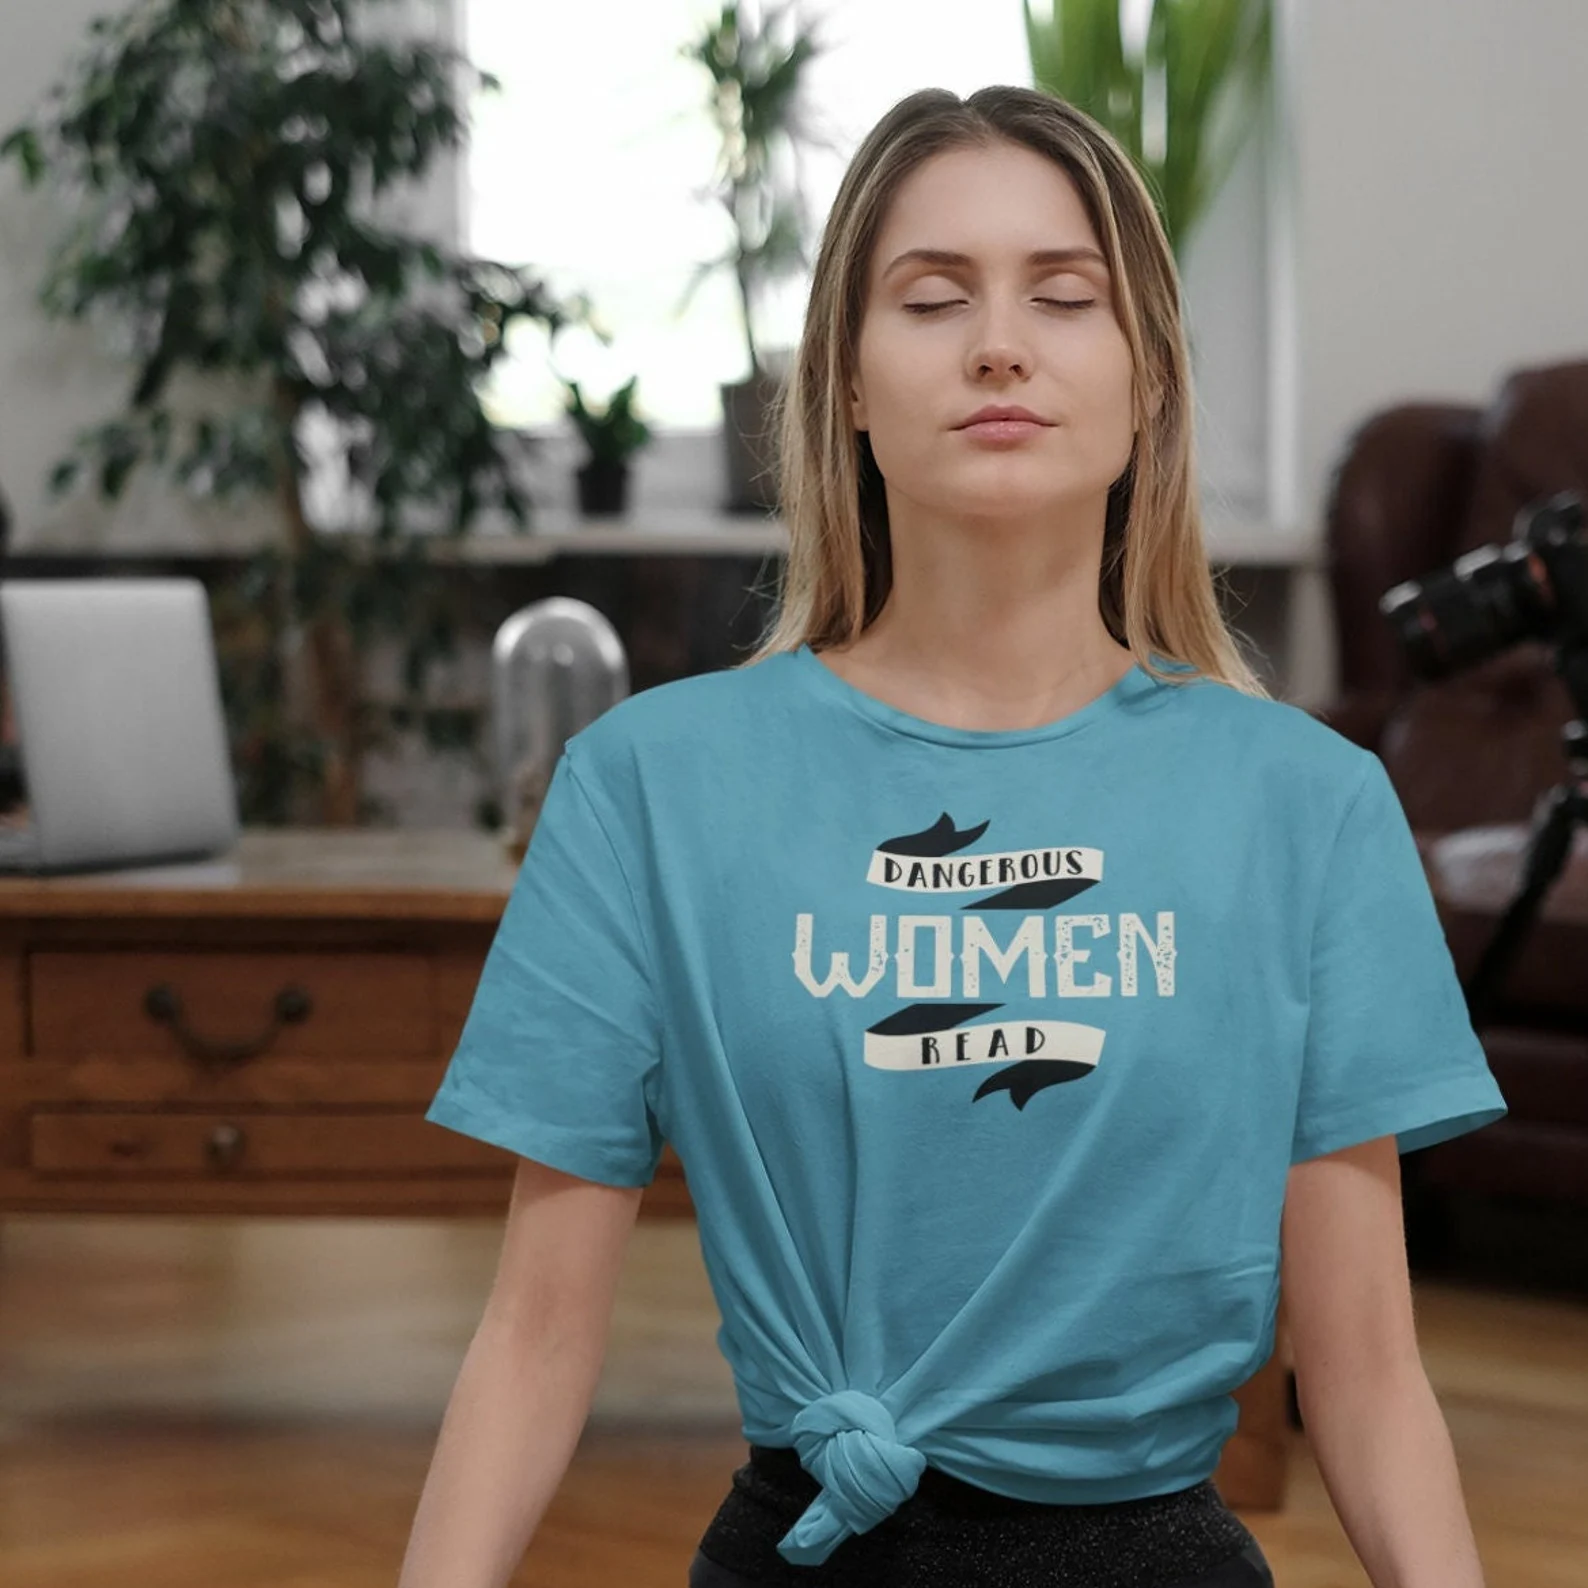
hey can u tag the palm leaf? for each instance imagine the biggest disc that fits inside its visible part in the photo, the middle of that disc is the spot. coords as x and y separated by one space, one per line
1211 58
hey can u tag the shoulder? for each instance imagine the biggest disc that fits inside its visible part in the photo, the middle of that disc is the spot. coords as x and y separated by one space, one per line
672 722
1272 742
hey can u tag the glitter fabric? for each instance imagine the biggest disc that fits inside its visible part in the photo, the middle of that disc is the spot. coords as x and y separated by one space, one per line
1249 1569
953 1534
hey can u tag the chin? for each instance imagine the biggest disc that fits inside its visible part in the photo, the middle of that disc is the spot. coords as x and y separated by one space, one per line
1013 487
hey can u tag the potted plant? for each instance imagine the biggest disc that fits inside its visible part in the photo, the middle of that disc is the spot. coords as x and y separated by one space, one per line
230 156
611 437
757 67
1207 63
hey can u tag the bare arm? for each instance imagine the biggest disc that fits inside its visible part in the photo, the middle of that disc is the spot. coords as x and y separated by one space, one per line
1371 1415
523 1393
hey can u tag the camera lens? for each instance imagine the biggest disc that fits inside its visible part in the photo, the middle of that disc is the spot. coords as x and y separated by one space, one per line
1485 601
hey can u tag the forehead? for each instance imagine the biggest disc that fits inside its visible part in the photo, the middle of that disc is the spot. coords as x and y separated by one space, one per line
990 203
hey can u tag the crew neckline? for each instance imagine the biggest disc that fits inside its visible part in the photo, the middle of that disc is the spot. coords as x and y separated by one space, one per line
1131 685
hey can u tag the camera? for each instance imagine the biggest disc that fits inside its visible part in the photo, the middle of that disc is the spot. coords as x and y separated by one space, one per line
1534 587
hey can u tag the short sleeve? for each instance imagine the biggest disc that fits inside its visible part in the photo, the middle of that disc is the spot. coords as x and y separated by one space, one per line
1390 1047
559 1058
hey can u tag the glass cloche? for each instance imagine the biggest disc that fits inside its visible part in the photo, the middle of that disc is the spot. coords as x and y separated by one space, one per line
556 665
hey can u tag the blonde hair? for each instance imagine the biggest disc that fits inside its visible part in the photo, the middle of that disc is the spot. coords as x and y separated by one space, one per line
1156 590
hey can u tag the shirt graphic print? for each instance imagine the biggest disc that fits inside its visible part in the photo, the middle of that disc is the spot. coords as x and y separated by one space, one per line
936 864
986 1053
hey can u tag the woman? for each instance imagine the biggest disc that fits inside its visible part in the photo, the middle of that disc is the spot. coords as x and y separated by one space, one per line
997 795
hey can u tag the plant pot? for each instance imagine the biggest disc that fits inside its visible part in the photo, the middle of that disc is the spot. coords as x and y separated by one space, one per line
603 488
749 447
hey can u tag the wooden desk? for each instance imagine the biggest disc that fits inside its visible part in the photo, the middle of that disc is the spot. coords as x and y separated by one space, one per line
262 1034
257 1034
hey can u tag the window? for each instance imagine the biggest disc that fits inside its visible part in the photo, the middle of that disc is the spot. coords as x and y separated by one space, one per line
588 167
588 163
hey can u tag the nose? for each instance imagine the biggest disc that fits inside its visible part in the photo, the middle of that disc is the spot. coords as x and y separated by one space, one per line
998 345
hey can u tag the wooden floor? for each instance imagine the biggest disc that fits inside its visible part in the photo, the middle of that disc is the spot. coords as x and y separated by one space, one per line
254 1402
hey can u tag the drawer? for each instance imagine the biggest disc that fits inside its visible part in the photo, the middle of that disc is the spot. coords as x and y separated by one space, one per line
242 1143
218 1008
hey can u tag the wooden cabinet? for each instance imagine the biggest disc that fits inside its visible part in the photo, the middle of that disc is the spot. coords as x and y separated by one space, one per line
257 1144
257 1034
217 1008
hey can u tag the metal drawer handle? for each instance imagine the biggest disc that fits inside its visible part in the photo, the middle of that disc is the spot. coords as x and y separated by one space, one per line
225 1146
162 1004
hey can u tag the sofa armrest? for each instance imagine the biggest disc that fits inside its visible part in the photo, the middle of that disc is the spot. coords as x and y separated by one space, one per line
1359 714
1396 501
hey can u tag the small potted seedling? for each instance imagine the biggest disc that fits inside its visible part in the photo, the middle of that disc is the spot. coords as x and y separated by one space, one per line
611 437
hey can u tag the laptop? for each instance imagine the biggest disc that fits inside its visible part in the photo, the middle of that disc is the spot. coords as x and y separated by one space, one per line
120 729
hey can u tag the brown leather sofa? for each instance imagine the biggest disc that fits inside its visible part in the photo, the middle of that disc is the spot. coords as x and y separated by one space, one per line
1417 485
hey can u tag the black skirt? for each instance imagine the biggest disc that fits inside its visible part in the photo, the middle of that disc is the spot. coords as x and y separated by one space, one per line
953 1534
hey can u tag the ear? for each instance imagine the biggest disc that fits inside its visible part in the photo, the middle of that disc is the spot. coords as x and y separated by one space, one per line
857 405
1154 401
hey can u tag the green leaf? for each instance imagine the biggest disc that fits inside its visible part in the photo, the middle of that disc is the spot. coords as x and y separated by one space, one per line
1213 60
64 475
22 144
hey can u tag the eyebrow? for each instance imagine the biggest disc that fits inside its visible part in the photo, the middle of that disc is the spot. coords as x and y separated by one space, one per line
1042 256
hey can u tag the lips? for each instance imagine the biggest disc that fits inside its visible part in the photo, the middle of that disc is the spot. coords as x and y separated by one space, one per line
996 411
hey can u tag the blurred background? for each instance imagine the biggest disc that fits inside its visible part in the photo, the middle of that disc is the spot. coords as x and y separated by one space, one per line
386 321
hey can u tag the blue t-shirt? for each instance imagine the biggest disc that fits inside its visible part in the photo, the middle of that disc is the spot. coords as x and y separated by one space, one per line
986 1052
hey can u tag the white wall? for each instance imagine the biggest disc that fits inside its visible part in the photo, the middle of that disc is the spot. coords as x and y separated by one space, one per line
1430 235
1441 185
1432 228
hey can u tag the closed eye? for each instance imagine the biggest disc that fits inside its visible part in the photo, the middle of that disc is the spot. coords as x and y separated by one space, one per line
948 303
